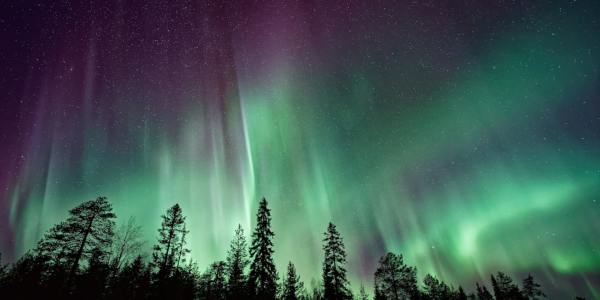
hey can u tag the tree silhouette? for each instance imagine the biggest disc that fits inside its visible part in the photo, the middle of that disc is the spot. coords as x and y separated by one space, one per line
83 242
127 243
53 253
92 282
132 282
183 283
25 277
483 293
213 283
436 289
57 245
171 241
531 289
262 281
88 228
181 251
335 284
91 225
395 280
2 271
237 260
316 290
292 286
460 294
504 287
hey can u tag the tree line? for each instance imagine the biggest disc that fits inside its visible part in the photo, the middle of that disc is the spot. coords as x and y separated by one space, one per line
87 257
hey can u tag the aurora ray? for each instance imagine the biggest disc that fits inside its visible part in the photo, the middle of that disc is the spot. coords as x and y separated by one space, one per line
464 135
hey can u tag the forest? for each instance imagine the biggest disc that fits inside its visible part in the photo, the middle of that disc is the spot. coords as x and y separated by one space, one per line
87 256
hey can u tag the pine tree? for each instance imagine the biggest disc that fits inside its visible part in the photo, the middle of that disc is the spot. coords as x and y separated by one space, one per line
56 250
171 241
262 281
237 260
395 280
57 246
88 228
292 287
91 224
531 289
483 293
335 283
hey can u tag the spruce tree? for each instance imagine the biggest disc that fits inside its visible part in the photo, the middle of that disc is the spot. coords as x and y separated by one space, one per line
335 284
395 280
237 260
262 280
292 286
531 289
171 241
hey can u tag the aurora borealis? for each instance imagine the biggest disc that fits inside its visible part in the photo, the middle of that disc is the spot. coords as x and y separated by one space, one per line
464 134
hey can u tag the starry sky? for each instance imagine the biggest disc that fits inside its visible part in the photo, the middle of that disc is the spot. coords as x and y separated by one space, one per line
462 134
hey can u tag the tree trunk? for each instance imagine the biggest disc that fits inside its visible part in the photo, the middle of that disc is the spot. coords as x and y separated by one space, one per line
80 250
171 236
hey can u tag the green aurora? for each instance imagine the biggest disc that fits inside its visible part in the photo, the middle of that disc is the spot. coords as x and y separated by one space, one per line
467 160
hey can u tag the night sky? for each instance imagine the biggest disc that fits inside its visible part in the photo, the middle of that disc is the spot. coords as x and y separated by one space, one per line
463 134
